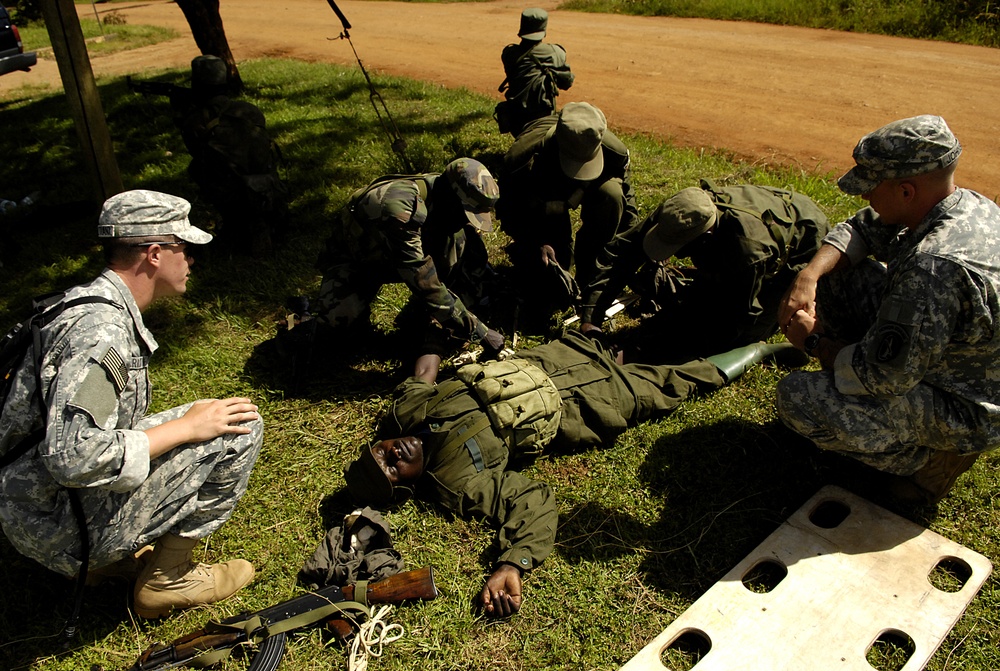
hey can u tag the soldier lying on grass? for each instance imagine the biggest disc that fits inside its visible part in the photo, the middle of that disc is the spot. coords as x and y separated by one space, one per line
457 442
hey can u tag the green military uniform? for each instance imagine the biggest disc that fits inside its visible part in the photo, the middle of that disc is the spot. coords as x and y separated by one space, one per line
535 71
538 197
396 230
762 237
234 162
567 393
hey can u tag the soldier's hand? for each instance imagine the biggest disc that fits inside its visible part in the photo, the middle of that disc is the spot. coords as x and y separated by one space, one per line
801 295
493 344
211 418
548 255
501 597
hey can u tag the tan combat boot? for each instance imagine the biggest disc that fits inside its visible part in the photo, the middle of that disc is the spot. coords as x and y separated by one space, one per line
171 580
935 479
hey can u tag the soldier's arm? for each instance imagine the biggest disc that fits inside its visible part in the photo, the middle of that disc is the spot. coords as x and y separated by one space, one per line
417 270
87 373
916 323
523 511
617 263
801 295
560 68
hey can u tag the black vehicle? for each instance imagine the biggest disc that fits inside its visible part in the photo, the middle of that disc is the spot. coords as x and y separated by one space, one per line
12 56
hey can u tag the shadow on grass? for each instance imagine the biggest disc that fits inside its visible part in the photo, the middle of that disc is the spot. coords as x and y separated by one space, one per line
33 628
725 487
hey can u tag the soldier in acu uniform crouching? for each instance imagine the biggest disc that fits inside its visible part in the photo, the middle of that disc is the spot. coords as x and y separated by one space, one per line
169 479
909 346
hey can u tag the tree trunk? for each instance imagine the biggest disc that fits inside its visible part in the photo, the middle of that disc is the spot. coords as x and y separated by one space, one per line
206 26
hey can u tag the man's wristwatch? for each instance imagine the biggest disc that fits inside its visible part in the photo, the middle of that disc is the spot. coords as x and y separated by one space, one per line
812 342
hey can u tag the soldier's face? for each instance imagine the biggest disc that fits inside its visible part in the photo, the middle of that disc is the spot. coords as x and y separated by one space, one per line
401 459
174 268
887 199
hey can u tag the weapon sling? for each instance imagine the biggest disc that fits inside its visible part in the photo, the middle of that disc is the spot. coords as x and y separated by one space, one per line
396 140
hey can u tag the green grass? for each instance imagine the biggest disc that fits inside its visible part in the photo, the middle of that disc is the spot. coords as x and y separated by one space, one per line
646 525
968 21
112 36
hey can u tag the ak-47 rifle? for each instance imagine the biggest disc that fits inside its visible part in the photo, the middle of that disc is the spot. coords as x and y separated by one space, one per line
337 606
153 88
396 140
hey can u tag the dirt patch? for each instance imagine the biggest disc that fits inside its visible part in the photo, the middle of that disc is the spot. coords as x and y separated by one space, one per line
792 96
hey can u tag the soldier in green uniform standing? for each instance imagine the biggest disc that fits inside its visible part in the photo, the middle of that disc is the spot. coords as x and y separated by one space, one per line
560 163
457 442
534 72
423 231
745 244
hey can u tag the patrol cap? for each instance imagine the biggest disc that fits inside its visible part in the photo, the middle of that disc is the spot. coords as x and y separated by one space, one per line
534 21
578 132
141 213
476 190
208 72
368 483
679 220
903 148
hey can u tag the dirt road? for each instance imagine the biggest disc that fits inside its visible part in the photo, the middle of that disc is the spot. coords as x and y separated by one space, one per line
788 95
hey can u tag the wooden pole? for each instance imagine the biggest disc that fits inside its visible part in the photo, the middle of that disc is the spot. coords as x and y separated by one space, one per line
70 50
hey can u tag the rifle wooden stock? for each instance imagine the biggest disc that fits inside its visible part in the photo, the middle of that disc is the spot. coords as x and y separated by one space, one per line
405 586
417 584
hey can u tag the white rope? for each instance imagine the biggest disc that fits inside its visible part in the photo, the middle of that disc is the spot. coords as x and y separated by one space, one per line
371 636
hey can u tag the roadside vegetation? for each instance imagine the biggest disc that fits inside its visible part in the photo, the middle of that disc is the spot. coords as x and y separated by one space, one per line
108 36
647 525
967 21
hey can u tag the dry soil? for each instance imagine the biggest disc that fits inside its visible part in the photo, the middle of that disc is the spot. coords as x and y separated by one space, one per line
794 96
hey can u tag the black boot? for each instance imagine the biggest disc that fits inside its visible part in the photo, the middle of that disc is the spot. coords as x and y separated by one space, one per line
735 362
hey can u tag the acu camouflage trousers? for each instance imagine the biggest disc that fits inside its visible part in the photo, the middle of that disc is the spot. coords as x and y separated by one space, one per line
190 491
895 434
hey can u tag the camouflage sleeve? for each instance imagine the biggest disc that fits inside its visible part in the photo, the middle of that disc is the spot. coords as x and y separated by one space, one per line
90 376
861 236
915 324
443 305
617 263
522 509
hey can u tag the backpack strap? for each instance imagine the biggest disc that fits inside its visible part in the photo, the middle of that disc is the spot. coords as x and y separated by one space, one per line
41 320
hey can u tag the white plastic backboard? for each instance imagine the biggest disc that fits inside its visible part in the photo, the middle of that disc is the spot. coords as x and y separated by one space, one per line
855 572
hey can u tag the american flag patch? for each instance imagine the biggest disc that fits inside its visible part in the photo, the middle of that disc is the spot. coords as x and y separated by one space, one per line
113 363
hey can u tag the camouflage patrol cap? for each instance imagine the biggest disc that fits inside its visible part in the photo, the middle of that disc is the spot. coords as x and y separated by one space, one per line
368 483
141 213
679 220
476 190
534 21
578 132
903 148
208 72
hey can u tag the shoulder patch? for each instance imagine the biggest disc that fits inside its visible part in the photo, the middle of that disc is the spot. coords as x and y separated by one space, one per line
114 364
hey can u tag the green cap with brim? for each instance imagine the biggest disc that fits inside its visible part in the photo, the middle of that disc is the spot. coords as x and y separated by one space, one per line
534 22
578 134
679 220
367 482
